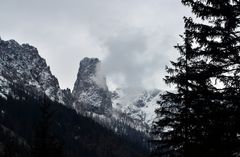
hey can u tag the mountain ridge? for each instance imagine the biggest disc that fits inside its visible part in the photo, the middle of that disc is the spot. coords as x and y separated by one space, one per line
22 65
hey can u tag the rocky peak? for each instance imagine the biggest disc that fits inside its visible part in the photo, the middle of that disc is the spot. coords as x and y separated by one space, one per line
90 90
88 66
22 65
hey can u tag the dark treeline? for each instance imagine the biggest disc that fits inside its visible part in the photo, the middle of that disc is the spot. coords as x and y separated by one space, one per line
36 126
202 117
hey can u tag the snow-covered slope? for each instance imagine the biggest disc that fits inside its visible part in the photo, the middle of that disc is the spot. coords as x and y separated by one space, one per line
138 104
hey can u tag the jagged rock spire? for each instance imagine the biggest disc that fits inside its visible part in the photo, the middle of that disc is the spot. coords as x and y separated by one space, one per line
90 90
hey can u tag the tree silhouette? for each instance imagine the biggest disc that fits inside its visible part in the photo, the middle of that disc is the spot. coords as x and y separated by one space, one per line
45 144
201 118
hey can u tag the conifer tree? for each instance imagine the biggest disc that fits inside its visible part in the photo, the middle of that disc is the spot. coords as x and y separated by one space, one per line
202 117
45 144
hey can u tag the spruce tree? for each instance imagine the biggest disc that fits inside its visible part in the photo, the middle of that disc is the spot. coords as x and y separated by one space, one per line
201 118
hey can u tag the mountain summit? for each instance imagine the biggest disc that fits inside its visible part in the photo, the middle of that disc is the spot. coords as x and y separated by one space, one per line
122 107
22 66
90 89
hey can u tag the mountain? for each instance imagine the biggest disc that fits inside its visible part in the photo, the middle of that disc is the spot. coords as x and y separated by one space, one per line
125 107
127 112
26 80
21 65
90 89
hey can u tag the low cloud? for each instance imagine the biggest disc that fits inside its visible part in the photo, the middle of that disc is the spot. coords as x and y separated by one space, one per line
134 39
136 59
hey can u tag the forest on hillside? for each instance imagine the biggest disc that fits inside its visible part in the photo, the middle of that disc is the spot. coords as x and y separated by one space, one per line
35 127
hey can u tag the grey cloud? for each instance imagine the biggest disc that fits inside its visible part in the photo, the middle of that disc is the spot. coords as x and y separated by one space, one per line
134 38
132 56
125 50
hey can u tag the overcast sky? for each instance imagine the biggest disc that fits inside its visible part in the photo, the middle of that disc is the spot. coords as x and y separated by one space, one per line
133 38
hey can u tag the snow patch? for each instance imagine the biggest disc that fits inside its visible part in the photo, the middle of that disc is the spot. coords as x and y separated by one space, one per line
3 96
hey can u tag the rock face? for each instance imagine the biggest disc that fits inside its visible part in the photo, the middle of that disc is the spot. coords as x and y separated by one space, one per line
90 89
22 66
131 107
